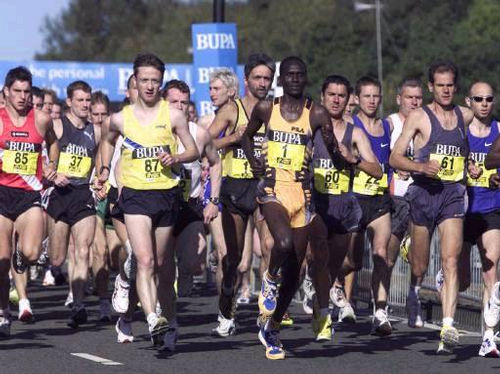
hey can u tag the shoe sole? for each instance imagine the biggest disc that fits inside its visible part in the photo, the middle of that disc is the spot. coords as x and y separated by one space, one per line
27 317
124 341
158 333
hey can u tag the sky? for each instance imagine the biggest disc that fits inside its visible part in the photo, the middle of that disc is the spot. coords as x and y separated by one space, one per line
20 19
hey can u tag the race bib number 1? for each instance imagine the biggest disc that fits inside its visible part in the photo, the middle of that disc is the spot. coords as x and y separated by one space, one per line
286 156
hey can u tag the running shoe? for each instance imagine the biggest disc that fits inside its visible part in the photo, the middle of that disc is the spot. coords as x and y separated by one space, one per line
404 248
287 320
104 310
346 314
491 313
78 317
380 323
170 338
18 262
414 309
270 338
48 279
158 331
34 272
489 348
119 300
449 339
4 327
307 305
322 328
337 296
130 266
268 295
25 312
69 300
124 330
225 327
439 280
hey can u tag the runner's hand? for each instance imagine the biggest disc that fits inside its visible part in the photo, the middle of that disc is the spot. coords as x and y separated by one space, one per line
474 170
61 180
403 175
210 212
166 159
50 171
258 168
494 181
430 168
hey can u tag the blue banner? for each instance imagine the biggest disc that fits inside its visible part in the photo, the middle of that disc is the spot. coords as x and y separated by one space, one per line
215 45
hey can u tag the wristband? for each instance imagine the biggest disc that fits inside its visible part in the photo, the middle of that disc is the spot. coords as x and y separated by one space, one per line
104 167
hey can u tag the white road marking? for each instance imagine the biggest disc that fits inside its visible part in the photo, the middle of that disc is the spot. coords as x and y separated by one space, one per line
100 360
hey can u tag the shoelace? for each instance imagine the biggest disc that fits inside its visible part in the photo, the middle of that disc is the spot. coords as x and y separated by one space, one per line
270 289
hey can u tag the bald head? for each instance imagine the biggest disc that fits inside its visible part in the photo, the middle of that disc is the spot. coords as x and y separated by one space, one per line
481 100
481 88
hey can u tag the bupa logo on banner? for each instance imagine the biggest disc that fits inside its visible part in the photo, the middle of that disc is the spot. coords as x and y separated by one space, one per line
215 45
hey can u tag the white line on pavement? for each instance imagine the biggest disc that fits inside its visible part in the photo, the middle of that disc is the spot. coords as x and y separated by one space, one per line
100 360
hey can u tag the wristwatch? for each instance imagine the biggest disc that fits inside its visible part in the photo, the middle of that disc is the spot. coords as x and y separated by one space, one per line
214 200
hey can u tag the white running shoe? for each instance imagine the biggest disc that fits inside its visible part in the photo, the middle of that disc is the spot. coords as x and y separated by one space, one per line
414 309
130 266
4 327
119 300
309 292
337 296
439 280
48 279
491 312
225 327
346 314
380 323
124 330
104 310
25 312
170 338
489 348
69 300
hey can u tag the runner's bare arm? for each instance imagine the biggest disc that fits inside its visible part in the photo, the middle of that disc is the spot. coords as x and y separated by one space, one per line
52 151
180 128
210 152
368 161
320 120
260 114
224 119
492 160
111 129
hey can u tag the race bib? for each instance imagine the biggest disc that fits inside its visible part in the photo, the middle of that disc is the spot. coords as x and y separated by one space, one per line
452 167
365 184
483 180
19 162
285 156
73 165
238 165
331 181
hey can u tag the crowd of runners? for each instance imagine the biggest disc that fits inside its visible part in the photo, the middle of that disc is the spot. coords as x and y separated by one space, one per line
300 183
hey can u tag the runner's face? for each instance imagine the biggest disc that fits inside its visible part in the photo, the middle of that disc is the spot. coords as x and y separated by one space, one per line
18 95
55 113
132 92
369 100
192 113
148 81
483 109
98 113
351 105
219 93
48 103
79 104
294 79
178 99
37 102
409 99
259 81
334 99
443 88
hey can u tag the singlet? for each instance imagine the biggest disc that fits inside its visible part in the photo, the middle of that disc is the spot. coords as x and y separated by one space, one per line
140 167
287 145
399 186
328 179
363 183
114 179
190 173
448 147
482 199
78 149
20 153
235 162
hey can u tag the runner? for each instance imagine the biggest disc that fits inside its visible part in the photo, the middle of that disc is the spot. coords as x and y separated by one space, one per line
436 196
22 132
149 197
284 194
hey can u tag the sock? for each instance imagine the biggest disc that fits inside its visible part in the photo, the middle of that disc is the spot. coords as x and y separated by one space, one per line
488 334
152 318
448 321
495 295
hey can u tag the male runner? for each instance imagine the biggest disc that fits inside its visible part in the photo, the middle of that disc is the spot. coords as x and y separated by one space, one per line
239 188
71 207
22 132
333 198
284 193
149 197
409 98
436 196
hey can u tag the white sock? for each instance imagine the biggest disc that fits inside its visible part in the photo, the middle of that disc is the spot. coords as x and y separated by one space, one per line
128 247
488 334
448 321
152 318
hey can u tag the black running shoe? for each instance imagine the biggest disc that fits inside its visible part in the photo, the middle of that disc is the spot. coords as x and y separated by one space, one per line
78 317
18 262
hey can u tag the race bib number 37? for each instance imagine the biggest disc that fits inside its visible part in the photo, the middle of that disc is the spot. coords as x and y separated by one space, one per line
19 162
74 165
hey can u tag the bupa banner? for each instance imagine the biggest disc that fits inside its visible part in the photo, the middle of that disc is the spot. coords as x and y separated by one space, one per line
214 46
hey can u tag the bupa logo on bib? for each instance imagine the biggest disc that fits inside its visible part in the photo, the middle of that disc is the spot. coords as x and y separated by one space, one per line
215 41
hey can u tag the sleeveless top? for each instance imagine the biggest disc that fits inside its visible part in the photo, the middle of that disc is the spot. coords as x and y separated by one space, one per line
363 183
328 179
235 162
140 167
482 199
398 186
448 147
190 172
78 149
20 153
287 145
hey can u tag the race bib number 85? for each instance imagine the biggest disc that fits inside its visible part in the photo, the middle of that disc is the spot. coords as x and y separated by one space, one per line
18 162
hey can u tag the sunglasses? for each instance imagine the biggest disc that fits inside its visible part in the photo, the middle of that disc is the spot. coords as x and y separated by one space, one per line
479 99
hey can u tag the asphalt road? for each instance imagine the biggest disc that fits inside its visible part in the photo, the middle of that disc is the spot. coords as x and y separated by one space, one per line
49 346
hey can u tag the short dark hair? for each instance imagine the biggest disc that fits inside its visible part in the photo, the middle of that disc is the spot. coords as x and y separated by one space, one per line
129 81
191 103
336 79
292 59
443 66
257 59
176 83
19 73
366 81
52 93
78 85
148 59
99 97
409 82
36 91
